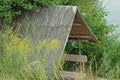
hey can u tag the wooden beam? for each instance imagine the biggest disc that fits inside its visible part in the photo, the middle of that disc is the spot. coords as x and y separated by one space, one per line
78 58
78 40
76 24
79 36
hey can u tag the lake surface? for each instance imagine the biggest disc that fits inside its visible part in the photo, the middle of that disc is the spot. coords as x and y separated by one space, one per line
113 6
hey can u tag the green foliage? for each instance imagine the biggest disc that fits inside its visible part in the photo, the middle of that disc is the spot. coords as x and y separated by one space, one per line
68 2
11 8
103 57
72 47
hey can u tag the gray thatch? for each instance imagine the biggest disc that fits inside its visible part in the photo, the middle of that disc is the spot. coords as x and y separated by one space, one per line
61 23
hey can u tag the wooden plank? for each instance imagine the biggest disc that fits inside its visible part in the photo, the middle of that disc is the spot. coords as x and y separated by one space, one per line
79 30
78 40
71 75
78 58
68 74
76 24
80 36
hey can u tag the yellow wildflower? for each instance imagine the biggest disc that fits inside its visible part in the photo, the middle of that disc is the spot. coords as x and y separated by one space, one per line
42 44
54 44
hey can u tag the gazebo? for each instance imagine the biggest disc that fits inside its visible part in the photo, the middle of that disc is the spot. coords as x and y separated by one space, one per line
57 22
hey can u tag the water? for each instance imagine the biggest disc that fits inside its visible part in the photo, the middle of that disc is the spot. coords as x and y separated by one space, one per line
113 6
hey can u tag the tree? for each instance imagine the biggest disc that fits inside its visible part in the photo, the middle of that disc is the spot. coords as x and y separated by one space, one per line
104 55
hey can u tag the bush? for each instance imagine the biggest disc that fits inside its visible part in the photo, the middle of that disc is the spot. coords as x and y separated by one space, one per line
11 8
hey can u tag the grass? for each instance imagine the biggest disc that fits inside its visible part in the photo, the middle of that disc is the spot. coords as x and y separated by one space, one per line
21 60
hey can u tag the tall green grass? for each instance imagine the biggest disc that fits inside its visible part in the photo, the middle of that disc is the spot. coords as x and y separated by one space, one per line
21 60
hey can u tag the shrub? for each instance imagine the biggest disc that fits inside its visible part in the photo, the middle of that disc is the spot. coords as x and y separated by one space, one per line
11 8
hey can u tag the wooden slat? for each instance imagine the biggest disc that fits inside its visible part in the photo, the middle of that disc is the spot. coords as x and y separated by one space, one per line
78 40
76 24
78 58
80 36
71 75
79 30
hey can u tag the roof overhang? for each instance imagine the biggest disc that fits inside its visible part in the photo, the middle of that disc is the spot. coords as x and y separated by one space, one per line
80 30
